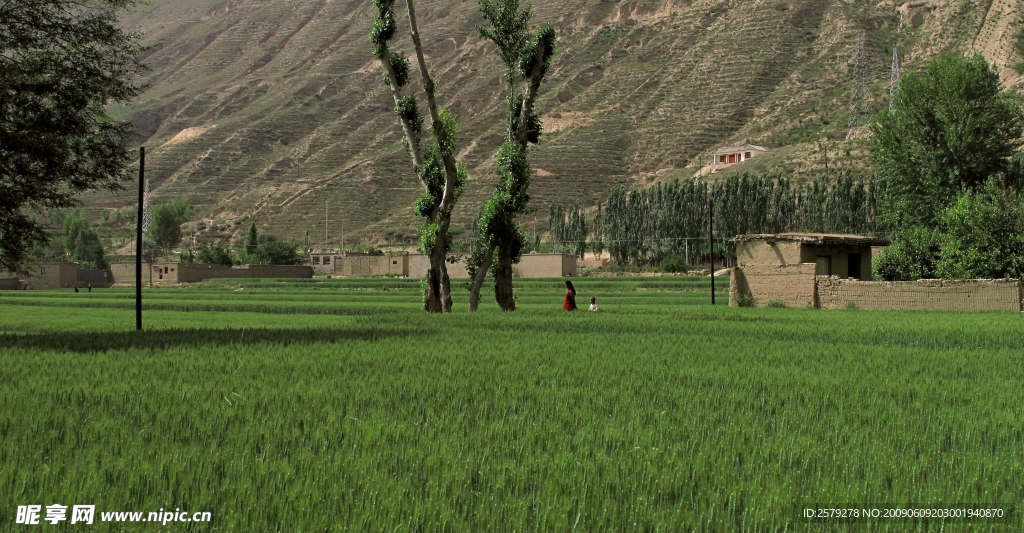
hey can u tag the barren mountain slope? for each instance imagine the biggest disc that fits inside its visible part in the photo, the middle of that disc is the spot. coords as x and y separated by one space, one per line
275 108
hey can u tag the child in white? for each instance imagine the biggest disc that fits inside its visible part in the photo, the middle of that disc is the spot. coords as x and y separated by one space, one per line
593 303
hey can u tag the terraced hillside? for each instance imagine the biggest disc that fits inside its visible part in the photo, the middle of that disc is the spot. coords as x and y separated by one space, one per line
275 109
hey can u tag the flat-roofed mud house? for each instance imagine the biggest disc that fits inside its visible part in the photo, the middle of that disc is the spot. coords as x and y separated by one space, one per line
731 155
830 271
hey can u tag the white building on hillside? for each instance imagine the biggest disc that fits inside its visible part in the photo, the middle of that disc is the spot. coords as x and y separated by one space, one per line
731 155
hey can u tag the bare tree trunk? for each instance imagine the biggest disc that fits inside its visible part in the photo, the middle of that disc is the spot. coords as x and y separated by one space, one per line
438 298
479 277
503 280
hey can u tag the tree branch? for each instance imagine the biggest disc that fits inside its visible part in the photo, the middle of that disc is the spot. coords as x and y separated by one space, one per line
450 168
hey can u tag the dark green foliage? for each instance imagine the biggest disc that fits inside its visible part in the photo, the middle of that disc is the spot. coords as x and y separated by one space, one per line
671 217
617 216
538 51
251 239
214 254
77 241
62 63
597 244
1019 45
507 26
400 66
271 251
983 235
165 225
568 229
673 263
912 255
952 128
409 112
383 29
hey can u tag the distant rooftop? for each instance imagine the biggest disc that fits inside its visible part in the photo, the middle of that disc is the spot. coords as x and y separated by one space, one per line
741 148
821 239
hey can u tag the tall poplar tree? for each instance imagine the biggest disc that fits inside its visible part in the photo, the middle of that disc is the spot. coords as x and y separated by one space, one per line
442 177
526 57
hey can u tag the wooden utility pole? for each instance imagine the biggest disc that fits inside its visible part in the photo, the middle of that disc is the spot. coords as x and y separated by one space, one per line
138 241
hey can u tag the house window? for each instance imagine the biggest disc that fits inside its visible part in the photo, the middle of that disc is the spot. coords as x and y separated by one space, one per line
394 262
721 159
746 155
732 158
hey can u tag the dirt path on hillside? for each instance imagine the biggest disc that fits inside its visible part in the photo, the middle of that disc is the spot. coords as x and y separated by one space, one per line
995 39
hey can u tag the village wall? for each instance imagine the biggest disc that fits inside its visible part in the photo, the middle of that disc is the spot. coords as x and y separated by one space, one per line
94 278
124 273
419 264
545 266
47 276
371 265
793 285
934 295
8 284
191 273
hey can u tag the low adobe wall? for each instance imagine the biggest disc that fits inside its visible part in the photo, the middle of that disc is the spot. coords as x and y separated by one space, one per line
10 284
371 265
929 294
792 285
189 273
419 264
95 278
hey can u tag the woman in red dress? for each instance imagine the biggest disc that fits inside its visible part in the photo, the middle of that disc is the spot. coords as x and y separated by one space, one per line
570 297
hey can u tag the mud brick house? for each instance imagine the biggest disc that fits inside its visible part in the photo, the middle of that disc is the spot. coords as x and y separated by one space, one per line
731 155
57 275
830 271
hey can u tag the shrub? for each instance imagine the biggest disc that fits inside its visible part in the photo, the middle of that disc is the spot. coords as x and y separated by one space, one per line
745 300
912 255
777 303
984 235
673 263
214 254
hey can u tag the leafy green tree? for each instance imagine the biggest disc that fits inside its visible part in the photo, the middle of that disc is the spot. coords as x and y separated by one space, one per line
252 240
526 57
597 243
62 63
983 235
442 177
77 241
165 225
214 254
912 255
951 129
271 251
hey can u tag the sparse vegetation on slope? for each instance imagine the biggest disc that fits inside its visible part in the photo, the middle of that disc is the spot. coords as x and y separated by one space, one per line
274 107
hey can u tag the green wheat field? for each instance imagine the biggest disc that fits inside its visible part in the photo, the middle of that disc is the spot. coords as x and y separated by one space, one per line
314 406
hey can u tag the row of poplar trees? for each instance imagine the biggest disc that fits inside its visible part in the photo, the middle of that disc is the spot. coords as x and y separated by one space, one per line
643 226
526 56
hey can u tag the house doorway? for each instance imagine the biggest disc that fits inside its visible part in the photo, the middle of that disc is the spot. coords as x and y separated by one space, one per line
853 270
